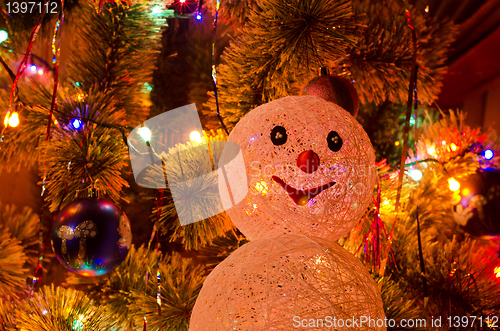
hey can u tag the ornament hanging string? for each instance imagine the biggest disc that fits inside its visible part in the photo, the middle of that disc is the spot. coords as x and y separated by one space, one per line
214 72
56 50
22 65
412 85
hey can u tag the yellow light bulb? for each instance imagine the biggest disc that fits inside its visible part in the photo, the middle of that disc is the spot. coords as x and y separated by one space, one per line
453 184
396 143
497 272
195 136
431 150
453 147
145 133
261 187
14 119
465 191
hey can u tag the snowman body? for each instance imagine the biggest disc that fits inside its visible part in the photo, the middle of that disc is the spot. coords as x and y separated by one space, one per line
310 171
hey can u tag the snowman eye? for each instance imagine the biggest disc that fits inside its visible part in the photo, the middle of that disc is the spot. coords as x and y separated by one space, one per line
334 141
278 135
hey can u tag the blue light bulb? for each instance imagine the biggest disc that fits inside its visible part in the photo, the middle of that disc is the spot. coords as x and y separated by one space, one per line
488 154
198 17
76 123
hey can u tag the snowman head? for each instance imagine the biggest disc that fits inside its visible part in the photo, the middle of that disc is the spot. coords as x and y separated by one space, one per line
310 169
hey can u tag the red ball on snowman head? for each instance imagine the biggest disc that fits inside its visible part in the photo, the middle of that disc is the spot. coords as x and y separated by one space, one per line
336 89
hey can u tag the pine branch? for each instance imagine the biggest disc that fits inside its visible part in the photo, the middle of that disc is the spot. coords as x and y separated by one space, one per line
117 50
201 196
459 271
12 260
97 154
60 309
124 291
279 45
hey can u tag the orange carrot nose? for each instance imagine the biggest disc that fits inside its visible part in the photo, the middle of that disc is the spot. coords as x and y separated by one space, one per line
308 161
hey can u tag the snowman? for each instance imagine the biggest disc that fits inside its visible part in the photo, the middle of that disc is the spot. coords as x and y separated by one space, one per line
310 170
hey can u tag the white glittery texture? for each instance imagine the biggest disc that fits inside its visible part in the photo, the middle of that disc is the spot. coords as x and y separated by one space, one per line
268 210
266 283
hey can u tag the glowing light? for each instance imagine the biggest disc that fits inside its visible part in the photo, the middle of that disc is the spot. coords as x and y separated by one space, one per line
453 147
195 136
426 9
3 36
412 121
33 68
145 133
44 312
443 143
12 120
76 123
198 17
497 272
156 10
431 150
254 206
488 154
396 143
415 174
40 72
453 184
465 191
261 187
182 1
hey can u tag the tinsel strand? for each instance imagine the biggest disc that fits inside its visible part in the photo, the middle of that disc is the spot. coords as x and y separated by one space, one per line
22 65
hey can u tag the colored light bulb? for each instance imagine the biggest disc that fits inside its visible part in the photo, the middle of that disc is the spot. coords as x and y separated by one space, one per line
3 36
453 184
145 133
415 174
488 154
195 136
76 123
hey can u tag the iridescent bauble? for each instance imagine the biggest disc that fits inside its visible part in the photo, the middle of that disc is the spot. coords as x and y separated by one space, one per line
336 89
310 169
91 236
479 208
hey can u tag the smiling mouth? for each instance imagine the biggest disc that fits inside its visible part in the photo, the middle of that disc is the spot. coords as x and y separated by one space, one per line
301 197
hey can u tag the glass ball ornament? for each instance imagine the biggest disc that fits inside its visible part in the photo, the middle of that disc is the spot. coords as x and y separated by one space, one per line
310 169
275 283
336 89
478 211
91 236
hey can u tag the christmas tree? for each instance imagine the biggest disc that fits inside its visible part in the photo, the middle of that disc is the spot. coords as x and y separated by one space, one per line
428 236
